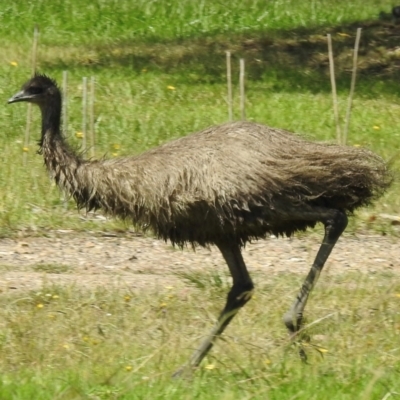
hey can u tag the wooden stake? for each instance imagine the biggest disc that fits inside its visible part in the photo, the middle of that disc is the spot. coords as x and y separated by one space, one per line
65 120
84 113
29 111
334 94
242 94
91 117
65 103
34 48
353 84
229 82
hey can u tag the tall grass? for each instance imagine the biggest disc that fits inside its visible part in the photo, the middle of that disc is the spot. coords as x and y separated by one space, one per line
66 343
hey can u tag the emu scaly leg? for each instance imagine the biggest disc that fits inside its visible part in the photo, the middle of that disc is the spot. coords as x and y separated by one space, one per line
335 223
238 296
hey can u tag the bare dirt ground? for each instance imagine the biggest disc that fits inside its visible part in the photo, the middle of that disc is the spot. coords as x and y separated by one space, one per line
135 262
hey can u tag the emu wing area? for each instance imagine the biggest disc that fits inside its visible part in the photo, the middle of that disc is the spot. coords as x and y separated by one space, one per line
236 182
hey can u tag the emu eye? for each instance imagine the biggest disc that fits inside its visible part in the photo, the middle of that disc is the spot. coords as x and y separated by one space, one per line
35 90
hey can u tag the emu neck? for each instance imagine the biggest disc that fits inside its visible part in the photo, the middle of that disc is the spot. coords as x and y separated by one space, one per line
60 160
51 118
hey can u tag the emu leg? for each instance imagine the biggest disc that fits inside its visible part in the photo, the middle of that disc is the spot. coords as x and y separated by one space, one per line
238 296
335 223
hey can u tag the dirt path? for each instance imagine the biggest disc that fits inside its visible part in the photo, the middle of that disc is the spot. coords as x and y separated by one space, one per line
135 261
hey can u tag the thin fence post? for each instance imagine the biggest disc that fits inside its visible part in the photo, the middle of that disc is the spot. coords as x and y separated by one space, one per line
65 103
91 117
334 93
242 92
29 110
353 84
229 82
84 113
65 120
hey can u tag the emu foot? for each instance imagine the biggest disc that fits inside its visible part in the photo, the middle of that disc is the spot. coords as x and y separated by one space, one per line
293 324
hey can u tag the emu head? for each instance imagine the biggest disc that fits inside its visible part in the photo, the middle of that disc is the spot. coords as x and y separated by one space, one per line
39 90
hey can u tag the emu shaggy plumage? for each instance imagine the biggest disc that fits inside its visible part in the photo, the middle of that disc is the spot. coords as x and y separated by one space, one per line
238 181
225 185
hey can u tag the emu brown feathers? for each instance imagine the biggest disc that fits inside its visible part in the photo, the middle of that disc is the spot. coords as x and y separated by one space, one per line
225 185
236 182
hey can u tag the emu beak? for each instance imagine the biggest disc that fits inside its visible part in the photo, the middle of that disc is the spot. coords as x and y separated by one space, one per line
20 96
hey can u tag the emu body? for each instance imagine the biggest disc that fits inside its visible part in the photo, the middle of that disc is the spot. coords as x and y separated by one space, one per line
225 186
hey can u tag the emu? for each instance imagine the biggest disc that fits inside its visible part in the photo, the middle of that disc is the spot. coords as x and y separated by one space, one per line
223 186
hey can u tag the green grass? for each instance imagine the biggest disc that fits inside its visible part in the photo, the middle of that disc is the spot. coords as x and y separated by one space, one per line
67 343
73 22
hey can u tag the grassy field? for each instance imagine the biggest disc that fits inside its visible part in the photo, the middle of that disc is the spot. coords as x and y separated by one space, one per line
160 73
115 344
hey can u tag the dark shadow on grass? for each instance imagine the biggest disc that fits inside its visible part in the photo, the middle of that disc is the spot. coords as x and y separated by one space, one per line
295 60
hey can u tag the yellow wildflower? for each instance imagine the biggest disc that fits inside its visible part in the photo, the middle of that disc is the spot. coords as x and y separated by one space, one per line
169 87
322 350
14 63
